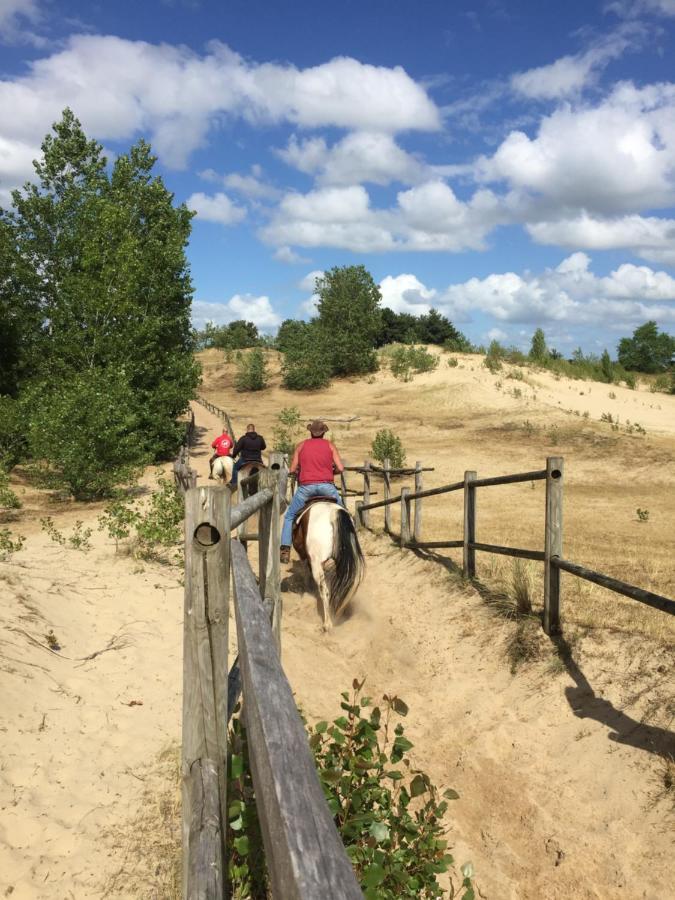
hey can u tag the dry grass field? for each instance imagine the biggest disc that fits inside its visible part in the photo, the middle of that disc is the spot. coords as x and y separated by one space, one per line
467 418
562 751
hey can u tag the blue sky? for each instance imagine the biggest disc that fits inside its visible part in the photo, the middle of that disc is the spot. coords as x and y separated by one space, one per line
510 163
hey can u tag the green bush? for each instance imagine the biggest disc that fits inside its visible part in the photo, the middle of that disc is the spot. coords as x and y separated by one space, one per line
251 371
152 525
8 499
307 364
288 429
387 445
12 432
405 361
9 544
85 429
388 813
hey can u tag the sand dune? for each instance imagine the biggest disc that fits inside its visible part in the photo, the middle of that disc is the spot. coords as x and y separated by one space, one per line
559 766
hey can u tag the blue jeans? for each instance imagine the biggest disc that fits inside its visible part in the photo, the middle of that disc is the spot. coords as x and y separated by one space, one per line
238 465
300 497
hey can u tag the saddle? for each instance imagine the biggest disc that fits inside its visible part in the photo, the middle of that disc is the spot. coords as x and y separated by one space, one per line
300 525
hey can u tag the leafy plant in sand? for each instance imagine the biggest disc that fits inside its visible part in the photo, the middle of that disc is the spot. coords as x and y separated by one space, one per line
387 445
387 812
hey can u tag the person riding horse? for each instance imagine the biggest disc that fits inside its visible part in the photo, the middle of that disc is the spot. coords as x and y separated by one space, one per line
248 448
314 462
223 447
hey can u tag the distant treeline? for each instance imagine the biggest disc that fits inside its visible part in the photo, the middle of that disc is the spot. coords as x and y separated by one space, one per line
351 325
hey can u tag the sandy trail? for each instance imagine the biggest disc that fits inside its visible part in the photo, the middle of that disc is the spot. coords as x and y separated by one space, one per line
559 781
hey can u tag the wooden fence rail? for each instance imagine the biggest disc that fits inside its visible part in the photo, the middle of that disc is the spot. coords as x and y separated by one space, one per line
551 555
304 854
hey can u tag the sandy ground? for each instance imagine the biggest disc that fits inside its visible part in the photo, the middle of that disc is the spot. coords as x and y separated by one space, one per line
560 767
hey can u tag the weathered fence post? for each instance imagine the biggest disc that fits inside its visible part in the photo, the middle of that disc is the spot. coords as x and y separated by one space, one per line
386 488
417 528
405 517
553 543
205 675
273 574
358 515
469 562
365 514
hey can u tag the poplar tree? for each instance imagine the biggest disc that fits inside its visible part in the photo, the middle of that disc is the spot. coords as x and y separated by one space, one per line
105 280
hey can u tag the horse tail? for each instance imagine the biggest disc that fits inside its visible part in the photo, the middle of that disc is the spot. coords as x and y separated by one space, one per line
349 562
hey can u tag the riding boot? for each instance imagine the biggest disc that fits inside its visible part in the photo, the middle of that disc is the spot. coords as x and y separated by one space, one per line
285 554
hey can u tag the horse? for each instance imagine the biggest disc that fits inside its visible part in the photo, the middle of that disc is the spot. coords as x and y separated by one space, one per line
222 468
324 535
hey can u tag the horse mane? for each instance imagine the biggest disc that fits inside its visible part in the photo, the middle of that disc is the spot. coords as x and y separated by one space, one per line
349 561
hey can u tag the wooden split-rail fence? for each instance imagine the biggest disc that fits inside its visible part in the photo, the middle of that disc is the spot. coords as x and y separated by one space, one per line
304 854
551 556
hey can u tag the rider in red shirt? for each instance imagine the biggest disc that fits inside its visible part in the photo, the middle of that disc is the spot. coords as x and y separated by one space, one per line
314 462
223 446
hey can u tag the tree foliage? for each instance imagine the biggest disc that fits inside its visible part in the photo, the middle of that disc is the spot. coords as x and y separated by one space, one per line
85 427
349 317
237 335
307 364
430 328
251 371
648 350
387 445
538 350
101 291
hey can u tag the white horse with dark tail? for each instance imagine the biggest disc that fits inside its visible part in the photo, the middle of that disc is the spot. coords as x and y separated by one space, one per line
325 536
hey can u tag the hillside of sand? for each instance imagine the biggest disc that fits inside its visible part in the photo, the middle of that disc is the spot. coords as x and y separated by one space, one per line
561 764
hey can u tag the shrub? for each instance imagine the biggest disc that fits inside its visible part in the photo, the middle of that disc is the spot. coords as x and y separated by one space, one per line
12 432
9 544
155 525
85 428
387 445
452 362
389 814
8 499
251 371
287 430
492 364
307 364
405 361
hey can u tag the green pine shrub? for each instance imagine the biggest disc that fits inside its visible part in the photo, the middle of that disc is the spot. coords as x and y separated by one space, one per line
387 445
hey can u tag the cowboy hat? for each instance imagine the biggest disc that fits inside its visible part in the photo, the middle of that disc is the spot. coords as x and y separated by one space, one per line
317 428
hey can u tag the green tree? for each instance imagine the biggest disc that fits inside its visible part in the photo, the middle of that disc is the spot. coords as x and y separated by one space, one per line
307 364
396 328
648 350
434 328
106 280
607 367
349 316
251 372
291 333
86 427
387 445
538 350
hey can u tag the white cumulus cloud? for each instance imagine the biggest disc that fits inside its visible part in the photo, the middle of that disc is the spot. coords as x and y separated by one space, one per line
119 88
258 310
217 208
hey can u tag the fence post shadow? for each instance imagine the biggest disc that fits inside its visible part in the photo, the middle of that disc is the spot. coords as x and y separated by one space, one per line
585 704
